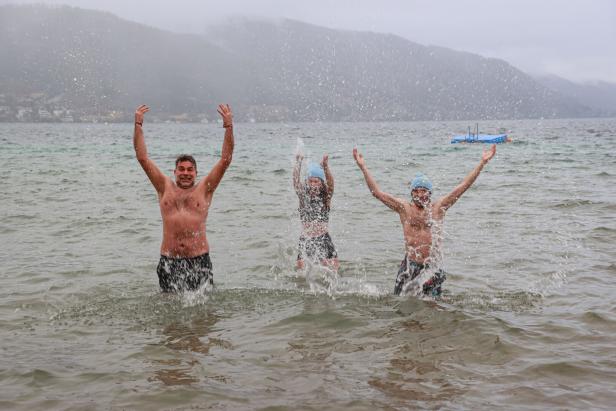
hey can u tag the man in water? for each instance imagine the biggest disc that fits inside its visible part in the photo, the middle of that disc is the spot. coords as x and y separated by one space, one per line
315 198
184 262
418 217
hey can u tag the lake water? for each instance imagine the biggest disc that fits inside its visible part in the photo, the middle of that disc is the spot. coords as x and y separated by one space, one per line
527 319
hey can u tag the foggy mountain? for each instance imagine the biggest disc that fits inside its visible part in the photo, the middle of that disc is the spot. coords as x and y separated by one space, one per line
601 97
96 64
332 74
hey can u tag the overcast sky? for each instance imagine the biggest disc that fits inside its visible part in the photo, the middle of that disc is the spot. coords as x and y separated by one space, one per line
575 39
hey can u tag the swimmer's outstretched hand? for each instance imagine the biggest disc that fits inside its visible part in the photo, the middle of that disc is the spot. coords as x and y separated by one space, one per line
299 158
141 110
488 154
359 159
227 116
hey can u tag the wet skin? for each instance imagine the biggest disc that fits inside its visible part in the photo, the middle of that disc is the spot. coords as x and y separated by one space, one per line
184 209
184 203
421 217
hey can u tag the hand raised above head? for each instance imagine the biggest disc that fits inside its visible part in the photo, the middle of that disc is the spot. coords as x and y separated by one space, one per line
227 116
141 110
359 159
324 161
488 154
299 157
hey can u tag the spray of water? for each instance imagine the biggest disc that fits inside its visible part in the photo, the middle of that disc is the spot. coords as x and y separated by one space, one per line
299 148
196 297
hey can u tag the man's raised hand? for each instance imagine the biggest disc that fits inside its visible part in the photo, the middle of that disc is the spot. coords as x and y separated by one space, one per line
488 154
141 110
227 116
359 159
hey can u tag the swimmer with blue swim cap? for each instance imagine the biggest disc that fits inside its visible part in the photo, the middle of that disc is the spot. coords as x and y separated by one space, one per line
315 171
421 181
315 195
421 189
418 218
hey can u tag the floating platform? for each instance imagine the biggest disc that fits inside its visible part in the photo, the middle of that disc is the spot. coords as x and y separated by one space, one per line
480 138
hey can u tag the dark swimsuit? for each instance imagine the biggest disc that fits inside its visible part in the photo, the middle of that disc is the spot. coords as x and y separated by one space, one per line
321 247
410 269
184 274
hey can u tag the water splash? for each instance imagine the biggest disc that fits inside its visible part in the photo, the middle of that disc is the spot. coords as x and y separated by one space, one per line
550 284
321 279
299 148
200 296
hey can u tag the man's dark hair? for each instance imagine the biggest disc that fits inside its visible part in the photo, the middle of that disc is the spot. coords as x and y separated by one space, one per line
185 157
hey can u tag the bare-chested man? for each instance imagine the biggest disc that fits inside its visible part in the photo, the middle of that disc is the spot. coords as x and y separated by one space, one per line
417 218
184 262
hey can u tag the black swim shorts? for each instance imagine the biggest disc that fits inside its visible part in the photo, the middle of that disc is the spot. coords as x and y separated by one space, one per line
410 269
321 247
183 274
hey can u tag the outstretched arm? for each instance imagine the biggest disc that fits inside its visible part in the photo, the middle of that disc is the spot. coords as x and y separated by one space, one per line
297 185
218 171
387 199
329 178
451 198
151 170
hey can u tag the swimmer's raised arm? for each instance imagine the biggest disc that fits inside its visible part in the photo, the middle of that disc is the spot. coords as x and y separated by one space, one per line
297 185
156 176
212 180
390 201
329 178
450 199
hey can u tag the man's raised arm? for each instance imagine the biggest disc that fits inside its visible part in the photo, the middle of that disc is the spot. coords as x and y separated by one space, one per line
218 171
151 170
451 198
387 199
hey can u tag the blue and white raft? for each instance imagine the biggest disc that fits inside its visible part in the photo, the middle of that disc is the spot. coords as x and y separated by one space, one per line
480 138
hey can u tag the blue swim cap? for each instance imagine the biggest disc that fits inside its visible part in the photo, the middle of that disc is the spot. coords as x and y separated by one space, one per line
421 181
315 170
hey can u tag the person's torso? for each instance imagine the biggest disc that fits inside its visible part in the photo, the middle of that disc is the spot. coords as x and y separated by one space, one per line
184 213
314 215
417 227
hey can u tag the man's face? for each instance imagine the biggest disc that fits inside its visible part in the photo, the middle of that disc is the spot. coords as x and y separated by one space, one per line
185 174
314 185
421 196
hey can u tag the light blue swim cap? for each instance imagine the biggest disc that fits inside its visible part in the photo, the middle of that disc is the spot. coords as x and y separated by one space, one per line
421 181
315 170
